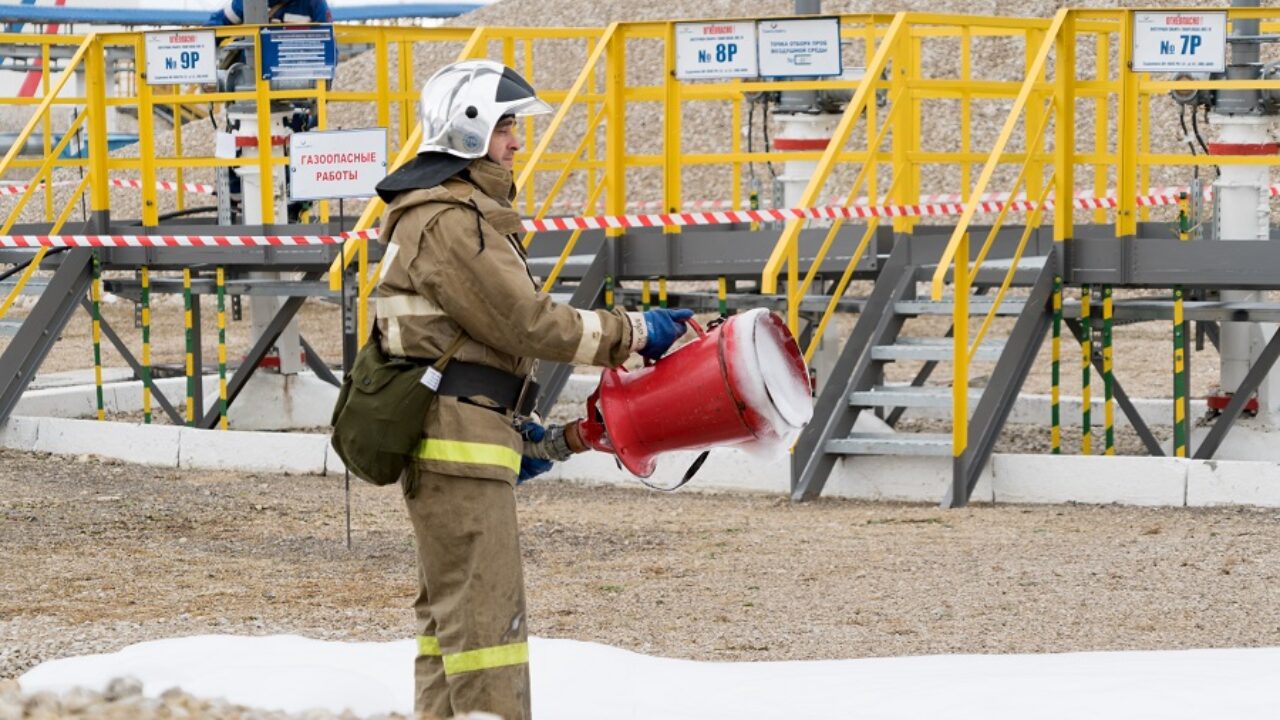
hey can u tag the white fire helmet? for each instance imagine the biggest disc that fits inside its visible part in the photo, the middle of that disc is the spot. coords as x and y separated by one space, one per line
462 103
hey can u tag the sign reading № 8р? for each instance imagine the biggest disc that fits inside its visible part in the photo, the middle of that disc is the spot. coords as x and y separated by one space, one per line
716 50
336 164
1168 41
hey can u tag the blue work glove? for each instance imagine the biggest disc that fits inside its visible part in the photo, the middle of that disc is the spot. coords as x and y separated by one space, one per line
531 467
664 327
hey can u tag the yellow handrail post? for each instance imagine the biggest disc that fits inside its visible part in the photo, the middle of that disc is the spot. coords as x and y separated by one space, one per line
146 140
960 348
42 108
1065 130
615 145
96 100
671 165
1127 142
266 173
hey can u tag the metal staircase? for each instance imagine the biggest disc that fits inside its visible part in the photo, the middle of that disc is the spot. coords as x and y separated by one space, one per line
858 379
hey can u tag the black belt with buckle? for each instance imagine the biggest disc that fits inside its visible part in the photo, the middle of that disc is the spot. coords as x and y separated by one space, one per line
517 393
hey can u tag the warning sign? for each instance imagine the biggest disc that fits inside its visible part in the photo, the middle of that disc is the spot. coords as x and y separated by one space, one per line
181 56
336 164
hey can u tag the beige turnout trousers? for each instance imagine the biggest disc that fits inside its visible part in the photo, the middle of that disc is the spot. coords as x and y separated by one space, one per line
473 653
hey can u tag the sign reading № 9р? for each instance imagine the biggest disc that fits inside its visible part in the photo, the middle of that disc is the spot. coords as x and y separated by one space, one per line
1168 41
336 164
181 56
716 50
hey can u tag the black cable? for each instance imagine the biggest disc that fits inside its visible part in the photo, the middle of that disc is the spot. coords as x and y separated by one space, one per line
1195 127
765 126
181 213
23 265
1182 122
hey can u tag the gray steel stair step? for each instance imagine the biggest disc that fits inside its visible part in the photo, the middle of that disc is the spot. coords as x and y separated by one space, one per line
930 348
891 444
946 307
902 396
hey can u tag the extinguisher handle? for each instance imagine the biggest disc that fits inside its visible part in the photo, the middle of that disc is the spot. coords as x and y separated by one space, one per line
696 328
591 429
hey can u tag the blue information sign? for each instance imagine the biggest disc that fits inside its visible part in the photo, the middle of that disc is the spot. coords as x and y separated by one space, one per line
299 53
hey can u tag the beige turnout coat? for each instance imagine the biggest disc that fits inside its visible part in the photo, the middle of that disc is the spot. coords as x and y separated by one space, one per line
454 264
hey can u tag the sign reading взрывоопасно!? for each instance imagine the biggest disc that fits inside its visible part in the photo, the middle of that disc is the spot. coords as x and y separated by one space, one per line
336 163
1167 41
716 50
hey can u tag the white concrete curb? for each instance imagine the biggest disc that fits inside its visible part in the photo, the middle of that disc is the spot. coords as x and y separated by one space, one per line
1148 481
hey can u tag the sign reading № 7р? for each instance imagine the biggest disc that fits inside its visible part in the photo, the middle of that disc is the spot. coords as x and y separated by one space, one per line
1170 41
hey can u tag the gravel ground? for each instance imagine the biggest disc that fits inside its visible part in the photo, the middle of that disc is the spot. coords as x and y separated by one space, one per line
100 555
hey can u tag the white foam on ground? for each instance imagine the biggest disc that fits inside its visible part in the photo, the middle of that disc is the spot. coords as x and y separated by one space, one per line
585 681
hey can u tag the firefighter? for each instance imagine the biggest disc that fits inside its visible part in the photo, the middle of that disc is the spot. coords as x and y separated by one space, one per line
286 11
454 267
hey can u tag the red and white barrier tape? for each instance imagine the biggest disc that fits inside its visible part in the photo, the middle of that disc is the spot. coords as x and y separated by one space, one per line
199 188
1168 196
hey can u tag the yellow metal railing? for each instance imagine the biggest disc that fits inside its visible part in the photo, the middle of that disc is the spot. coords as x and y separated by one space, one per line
1121 160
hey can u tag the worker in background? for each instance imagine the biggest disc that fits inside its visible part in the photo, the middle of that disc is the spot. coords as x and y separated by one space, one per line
284 11
454 268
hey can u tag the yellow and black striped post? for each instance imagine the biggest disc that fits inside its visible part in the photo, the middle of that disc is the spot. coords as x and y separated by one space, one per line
644 295
1108 407
722 296
608 292
662 291
1181 429
190 343
145 281
96 295
1179 379
1086 356
222 347
1055 371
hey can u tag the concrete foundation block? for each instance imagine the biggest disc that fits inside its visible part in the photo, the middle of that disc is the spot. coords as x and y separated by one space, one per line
270 401
1225 482
135 443
20 433
725 469
1090 479
291 453
904 478
333 464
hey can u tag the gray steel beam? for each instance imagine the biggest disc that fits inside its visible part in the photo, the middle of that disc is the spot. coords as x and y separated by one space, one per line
1257 373
1122 398
42 327
1165 262
174 416
1002 391
552 377
832 416
317 364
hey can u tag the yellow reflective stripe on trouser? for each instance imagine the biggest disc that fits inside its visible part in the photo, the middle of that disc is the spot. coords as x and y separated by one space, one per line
428 645
486 658
475 453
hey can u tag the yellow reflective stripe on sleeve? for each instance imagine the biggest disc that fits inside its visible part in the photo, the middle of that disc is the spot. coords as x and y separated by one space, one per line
428 645
475 453
486 658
